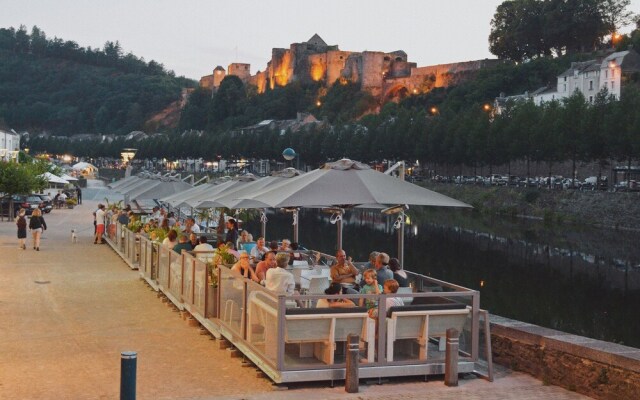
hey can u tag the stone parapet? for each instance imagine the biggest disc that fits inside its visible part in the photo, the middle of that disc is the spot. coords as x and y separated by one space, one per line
598 369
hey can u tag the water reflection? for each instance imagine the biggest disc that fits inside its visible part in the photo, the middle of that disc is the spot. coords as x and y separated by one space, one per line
584 281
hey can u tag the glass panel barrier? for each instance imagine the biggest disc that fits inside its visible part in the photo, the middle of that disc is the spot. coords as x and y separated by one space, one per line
117 239
262 322
143 256
187 278
155 250
231 288
175 274
163 266
204 293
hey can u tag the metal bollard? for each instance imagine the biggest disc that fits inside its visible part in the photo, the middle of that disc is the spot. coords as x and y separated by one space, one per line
451 358
128 365
352 380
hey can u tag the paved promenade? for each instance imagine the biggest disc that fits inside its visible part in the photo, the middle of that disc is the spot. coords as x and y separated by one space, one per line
67 311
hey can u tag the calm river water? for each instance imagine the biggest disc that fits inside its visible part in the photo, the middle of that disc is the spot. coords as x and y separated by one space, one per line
584 281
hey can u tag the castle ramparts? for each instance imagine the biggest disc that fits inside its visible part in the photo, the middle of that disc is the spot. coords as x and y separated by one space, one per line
387 76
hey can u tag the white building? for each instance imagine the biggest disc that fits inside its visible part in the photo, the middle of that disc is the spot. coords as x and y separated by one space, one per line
588 77
9 145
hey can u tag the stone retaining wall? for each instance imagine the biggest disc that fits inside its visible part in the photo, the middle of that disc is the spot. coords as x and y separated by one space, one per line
598 369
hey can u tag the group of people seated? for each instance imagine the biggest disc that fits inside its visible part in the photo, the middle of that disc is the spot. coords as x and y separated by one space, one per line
379 269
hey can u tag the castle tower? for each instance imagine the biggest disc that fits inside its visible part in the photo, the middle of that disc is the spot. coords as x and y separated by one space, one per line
218 76
242 71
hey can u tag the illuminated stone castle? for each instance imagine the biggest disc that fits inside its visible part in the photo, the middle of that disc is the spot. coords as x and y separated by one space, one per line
387 76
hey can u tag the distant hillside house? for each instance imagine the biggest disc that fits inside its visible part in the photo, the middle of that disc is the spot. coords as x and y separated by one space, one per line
587 77
9 145
387 76
303 121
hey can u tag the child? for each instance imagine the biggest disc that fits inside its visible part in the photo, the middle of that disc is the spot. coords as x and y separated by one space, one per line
371 286
21 223
390 286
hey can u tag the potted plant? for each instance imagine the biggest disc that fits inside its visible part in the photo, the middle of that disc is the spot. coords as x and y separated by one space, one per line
71 202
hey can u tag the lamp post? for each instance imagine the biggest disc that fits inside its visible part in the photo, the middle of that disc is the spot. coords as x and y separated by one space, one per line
289 154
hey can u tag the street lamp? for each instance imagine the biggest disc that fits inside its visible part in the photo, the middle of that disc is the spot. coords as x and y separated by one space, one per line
289 154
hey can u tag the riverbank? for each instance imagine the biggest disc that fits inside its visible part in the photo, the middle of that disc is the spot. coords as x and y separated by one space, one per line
618 210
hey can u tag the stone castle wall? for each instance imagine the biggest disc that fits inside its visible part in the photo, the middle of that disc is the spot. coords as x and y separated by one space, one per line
386 76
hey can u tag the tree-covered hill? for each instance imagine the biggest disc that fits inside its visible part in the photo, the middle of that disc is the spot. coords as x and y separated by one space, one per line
59 87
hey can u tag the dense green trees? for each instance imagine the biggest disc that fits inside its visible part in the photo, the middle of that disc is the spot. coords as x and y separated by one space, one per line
527 29
57 86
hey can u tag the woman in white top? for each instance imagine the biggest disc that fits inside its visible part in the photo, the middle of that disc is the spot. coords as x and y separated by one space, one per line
171 239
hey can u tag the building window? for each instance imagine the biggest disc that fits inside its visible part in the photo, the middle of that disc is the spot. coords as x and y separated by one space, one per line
606 73
612 85
590 85
605 85
591 99
565 88
565 78
613 73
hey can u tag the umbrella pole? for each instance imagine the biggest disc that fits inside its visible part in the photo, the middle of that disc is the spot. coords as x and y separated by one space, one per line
339 224
263 221
401 240
295 226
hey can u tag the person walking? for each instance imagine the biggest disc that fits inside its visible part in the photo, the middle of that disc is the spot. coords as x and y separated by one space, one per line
79 194
100 221
37 226
21 223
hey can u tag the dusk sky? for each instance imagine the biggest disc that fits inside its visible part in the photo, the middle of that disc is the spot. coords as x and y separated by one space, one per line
192 37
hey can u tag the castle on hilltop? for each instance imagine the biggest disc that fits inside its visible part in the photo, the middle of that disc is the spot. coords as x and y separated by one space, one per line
386 76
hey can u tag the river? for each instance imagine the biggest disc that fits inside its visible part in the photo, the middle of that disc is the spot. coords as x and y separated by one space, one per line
579 280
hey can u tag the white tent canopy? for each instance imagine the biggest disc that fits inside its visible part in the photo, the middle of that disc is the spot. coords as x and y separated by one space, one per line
51 178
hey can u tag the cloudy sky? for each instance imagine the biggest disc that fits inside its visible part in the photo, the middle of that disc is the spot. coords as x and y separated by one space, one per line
191 37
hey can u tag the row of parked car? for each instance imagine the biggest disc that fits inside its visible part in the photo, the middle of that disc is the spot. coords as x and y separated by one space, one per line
28 202
555 182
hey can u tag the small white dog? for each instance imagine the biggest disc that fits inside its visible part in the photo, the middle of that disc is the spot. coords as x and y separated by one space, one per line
74 236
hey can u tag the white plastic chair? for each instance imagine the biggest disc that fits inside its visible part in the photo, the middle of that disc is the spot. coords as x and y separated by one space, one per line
318 284
406 300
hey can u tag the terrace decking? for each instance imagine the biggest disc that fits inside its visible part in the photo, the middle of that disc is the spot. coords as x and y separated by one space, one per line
293 344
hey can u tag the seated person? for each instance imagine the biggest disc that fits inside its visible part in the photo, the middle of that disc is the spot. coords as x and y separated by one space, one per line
193 239
204 246
263 266
398 273
245 237
390 286
183 244
285 245
343 271
243 267
273 245
295 254
370 286
258 251
231 248
278 279
382 267
171 239
334 288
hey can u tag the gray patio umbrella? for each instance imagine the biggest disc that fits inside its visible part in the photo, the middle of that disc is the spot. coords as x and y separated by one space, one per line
233 198
162 189
207 199
122 182
346 184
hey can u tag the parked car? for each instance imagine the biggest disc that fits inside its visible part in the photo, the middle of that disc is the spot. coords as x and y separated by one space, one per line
47 203
626 186
29 203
